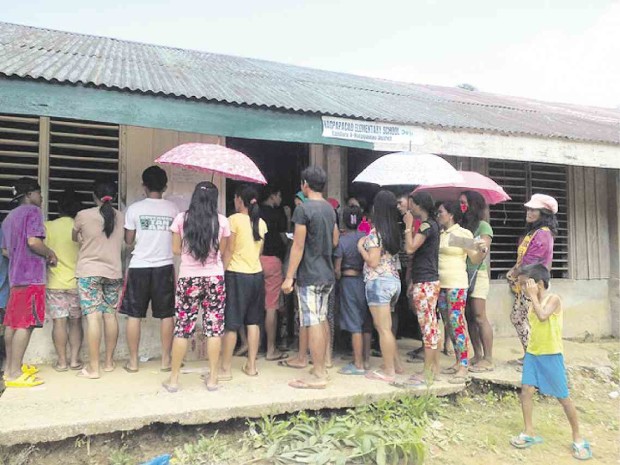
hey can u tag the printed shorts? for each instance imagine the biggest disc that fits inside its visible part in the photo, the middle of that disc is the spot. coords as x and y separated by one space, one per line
313 304
195 294
26 307
99 294
63 303
423 300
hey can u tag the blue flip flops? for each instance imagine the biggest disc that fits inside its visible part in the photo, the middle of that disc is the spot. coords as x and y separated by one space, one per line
523 441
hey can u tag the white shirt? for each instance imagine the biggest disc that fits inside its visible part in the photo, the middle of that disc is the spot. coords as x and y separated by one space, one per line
151 219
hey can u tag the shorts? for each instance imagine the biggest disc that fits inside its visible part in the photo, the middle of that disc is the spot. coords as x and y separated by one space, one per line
26 307
547 373
99 294
63 303
245 299
193 294
383 291
423 299
313 304
354 314
481 286
272 269
149 285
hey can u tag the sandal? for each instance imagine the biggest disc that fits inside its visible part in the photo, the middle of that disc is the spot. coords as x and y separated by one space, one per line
351 369
247 372
83 373
59 369
24 381
523 441
277 357
287 364
459 379
481 368
582 451
29 369
448 371
301 384
77 367
128 369
171 389
377 375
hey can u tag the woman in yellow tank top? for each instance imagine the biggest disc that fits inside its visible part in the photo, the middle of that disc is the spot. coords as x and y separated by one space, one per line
543 364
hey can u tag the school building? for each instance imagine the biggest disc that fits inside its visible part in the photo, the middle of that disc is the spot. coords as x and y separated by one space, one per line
74 107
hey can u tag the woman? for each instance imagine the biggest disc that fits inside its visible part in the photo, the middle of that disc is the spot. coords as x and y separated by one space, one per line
379 249
63 303
480 330
198 236
536 247
99 231
423 285
456 244
245 299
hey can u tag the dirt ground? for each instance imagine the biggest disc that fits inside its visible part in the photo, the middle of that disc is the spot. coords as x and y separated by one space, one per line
473 428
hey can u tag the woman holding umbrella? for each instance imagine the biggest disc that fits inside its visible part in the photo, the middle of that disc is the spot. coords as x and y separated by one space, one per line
535 247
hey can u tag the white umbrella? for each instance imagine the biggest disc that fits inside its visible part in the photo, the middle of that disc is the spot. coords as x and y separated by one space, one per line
408 168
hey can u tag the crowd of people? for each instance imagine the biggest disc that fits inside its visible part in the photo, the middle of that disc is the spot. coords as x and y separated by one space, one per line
351 264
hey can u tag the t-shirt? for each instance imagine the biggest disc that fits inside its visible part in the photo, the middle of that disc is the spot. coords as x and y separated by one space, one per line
347 250
246 254
4 278
25 266
99 255
275 219
58 238
540 249
452 260
151 219
316 267
545 336
484 229
213 265
425 260
388 264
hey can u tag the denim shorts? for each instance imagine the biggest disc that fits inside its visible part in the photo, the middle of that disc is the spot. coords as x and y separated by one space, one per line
383 291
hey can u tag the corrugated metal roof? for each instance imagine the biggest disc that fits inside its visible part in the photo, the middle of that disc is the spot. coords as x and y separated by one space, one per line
64 57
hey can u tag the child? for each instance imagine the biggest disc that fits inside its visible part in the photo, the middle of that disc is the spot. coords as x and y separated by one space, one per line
22 242
354 314
61 294
543 365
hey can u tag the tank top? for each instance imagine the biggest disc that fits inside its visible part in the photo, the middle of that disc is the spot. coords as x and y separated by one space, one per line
545 336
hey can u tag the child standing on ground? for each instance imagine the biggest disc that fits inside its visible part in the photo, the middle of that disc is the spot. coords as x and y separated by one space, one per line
62 299
543 365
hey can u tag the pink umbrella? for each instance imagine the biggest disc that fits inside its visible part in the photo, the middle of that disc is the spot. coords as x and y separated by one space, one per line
214 159
472 181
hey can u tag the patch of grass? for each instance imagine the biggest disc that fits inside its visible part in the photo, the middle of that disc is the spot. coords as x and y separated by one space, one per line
215 450
121 457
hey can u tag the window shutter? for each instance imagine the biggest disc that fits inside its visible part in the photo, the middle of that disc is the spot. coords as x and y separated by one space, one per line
19 154
80 153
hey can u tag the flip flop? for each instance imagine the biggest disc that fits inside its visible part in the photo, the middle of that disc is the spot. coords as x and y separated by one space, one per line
582 451
110 370
275 359
217 387
458 379
328 366
301 384
169 388
77 367
286 364
410 382
29 369
523 441
24 381
244 368
224 378
83 373
128 369
481 369
448 371
169 369
377 375
517 362
60 369
351 369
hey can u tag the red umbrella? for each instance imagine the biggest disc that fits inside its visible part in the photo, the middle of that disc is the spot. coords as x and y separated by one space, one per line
472 181
214 159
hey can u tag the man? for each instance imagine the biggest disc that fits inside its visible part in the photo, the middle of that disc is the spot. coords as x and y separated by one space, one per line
150 277
22 242
271 260
315 237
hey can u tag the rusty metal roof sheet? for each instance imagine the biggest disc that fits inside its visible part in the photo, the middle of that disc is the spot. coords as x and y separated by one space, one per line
64 57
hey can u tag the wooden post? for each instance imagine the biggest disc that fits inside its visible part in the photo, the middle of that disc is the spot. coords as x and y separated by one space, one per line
336 162
44 162
613 185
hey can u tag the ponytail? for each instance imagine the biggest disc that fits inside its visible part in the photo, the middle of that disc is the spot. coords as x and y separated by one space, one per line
249 197
105 192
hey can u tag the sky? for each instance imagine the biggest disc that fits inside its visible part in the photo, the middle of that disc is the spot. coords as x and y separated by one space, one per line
554 50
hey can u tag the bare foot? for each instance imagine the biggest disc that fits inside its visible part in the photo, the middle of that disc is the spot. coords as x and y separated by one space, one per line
84 373
108 368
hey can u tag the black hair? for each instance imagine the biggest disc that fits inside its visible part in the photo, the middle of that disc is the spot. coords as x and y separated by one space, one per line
248 195
68 204
352 216
315 177
154 179
476 208
548 220
453 207
201 226
105 191
24 186
424 200
270 190
537 272
385 221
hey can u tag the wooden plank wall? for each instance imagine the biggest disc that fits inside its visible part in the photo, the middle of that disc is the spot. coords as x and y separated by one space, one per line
589 223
